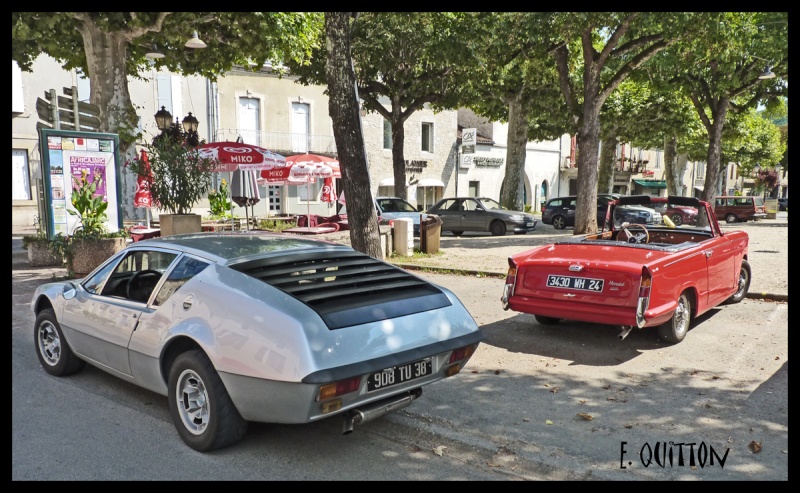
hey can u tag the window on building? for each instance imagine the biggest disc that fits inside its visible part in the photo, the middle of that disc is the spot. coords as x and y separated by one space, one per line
20 180
701 170
387 134
85 88
427 137
474 189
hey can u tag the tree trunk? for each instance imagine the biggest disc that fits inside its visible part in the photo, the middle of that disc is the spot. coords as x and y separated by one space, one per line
608 153
106 57
711 184
510 196
588 142
398 141
345 114
675 167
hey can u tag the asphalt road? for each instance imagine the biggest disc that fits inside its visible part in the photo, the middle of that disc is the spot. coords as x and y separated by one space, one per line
564 402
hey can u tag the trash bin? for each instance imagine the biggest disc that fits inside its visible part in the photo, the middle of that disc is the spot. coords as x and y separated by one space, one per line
430 230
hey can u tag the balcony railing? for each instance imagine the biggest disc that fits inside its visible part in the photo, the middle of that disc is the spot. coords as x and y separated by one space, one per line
282 143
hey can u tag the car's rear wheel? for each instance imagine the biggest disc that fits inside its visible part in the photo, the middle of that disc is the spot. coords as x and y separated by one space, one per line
55 355
497 228
743 284
457 233
546 320
731 218
559 222
675 329
677 219
201 408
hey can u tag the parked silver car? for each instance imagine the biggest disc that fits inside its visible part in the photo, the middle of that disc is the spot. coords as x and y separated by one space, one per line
459 214
253 326
391 208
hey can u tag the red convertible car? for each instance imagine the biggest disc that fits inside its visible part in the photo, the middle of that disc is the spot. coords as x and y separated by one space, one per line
633 275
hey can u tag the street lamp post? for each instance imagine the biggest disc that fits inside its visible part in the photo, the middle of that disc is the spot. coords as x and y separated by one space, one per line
178 131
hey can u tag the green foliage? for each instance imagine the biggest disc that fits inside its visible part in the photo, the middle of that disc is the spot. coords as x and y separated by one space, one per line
218 201
90 208
273 225
39 237
180 177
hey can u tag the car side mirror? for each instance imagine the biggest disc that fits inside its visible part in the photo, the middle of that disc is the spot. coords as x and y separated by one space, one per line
69 291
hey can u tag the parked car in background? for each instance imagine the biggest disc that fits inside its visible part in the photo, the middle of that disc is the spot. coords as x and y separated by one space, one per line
783 203
679 214
560 211
634 275
638 214
391 208
735 208
255 326
481 214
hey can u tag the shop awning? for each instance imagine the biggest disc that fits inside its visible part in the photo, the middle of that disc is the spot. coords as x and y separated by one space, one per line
386 182
651 183
430 182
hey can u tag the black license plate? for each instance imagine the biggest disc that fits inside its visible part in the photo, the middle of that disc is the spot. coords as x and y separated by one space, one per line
399 374
568 282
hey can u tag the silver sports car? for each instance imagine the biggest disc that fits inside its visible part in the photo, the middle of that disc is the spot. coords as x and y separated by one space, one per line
252 326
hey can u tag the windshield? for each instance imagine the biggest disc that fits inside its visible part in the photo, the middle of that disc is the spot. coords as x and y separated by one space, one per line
489 203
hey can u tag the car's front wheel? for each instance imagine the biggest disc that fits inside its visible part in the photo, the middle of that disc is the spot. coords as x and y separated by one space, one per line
677 219
743 284
559 222
201 408
546 320
497 228
731 218
457 233
55 355
674 330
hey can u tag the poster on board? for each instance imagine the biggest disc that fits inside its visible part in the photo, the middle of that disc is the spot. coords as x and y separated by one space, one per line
66 157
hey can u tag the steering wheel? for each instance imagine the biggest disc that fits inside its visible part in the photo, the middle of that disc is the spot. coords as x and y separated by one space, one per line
636 237
135 278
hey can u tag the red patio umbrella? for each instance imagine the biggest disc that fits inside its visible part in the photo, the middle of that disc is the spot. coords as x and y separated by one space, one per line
232 156
142 196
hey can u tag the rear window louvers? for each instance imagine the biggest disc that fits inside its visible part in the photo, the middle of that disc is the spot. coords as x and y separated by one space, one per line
346 288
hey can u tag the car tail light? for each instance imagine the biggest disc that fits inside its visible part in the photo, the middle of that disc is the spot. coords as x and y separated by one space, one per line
511 279
336 389
511 275
457 357
644 297
462 353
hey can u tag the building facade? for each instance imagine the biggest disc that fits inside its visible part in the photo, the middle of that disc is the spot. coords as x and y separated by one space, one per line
278 113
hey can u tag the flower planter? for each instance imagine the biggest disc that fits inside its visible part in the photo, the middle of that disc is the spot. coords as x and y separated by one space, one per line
39 255
88 253
178 224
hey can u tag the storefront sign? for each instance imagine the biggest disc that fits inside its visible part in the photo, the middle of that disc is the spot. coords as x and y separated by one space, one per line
488 162
415 165
469 138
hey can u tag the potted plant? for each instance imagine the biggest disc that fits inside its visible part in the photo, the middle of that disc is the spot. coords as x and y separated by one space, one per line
180 179
91 243
220 206
40 253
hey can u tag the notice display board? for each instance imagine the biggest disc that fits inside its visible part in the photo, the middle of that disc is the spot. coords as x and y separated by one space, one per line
66 156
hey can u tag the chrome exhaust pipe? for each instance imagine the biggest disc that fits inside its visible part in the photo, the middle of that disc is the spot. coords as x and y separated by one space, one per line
377 409
625 331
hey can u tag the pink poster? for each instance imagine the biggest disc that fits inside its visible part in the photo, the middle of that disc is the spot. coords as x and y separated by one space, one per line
95 169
